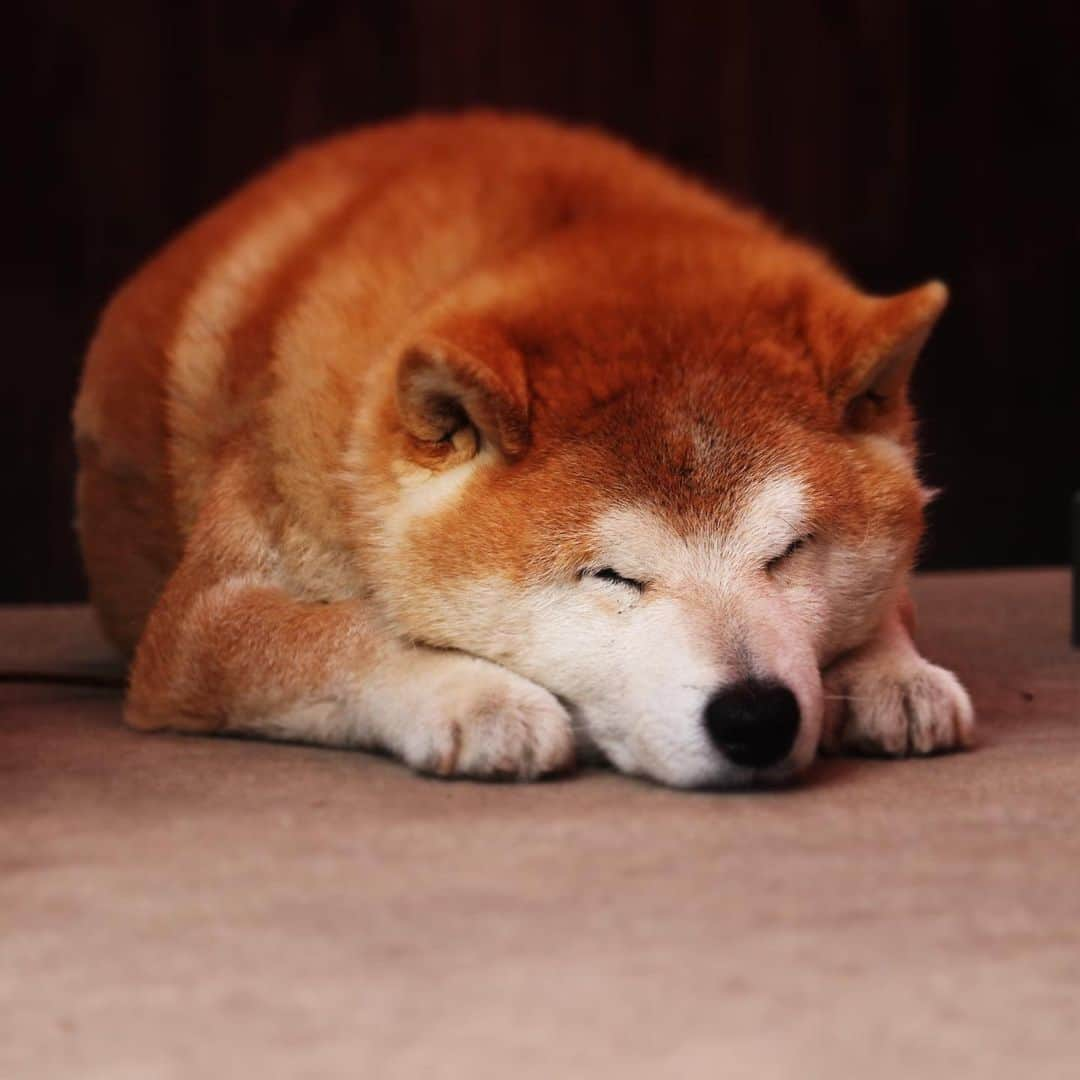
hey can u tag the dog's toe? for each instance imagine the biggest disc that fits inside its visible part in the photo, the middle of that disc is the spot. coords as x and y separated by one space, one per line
490 723
878 706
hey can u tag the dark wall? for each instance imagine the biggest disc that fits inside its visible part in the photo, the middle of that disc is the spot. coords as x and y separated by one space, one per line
914 140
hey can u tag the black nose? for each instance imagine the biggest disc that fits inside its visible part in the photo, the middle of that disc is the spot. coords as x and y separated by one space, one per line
753 723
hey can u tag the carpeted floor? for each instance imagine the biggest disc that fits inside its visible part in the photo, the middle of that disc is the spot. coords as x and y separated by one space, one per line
186 907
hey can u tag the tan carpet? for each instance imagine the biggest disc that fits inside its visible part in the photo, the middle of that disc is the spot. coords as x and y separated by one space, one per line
184 907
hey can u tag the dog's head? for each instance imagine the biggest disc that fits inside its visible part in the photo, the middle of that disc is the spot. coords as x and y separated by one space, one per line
671 502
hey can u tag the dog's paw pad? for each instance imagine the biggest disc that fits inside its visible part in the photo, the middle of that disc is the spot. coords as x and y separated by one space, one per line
882 706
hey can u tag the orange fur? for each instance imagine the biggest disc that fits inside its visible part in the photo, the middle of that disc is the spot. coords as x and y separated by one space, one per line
391 303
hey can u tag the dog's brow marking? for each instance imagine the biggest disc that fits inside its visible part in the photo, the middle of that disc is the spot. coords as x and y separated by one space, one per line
638 542
773 514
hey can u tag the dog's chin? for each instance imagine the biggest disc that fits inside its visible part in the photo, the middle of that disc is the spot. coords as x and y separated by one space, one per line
703 772
708 771
735 778
784 775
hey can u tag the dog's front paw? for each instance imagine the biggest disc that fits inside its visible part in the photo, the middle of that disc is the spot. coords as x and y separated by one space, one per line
474 718
884 704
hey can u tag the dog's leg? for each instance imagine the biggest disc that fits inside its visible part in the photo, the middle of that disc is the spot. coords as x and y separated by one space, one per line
885 698
226 649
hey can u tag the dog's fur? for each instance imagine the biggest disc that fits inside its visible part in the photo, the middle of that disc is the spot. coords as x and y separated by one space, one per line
483 441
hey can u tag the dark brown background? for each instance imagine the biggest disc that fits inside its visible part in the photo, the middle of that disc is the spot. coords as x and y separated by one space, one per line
913 139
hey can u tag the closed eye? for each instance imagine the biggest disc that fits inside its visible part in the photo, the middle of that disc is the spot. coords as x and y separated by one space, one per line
606 573
777 560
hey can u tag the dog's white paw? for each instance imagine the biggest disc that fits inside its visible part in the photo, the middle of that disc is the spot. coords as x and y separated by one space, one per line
893 705
474 718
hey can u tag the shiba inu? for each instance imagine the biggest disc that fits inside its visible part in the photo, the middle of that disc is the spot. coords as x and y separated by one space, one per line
488 442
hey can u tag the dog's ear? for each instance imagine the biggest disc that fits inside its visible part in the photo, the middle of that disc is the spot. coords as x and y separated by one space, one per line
457 396
871 386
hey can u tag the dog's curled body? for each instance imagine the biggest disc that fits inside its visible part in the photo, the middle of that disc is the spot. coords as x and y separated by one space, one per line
482 440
